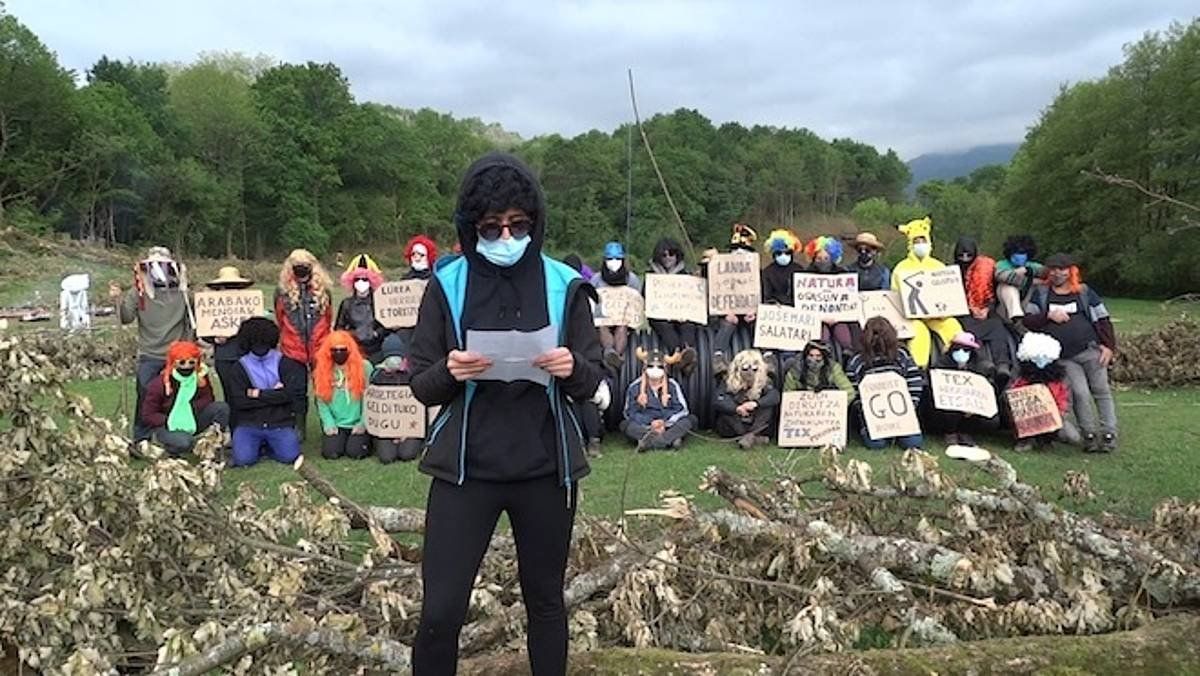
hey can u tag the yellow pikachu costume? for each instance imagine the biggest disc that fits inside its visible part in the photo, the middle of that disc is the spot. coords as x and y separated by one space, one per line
921 344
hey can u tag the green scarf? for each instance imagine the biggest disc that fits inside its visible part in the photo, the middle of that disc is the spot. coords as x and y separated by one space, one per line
182 419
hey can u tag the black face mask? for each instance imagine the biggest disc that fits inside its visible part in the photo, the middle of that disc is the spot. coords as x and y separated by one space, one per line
301 272
260 350
184 372
340 357
866 258
823 266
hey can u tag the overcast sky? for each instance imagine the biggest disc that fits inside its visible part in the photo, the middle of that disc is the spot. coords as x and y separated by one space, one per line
914 76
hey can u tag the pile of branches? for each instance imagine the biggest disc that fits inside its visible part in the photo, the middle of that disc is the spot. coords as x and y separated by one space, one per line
92 355
1168 356
112 565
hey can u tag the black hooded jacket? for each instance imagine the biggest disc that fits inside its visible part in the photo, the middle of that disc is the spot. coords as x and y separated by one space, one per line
778 282
512 434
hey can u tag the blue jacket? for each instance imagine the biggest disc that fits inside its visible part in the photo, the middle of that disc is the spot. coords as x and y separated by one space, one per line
673 412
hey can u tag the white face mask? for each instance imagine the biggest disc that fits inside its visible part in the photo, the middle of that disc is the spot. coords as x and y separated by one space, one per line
960 357
420 258
362 286
655 372
921 249
783 259
613 264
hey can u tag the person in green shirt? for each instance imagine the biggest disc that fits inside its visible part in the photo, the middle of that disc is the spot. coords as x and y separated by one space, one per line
340 376
816 370
1016 274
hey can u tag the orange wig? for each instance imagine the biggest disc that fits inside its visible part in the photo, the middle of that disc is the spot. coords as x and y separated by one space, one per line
979 282
1075 279
177 352
323 370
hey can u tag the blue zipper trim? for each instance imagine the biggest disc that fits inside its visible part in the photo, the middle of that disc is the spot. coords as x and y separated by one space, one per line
439 423
462 449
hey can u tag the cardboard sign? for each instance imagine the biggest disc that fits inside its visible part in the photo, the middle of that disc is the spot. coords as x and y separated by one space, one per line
781 327
813 419
220 313
397 303
963 391
392 412
1034 410
933 293
619 306
677 298
887 406
734 284
834 298
885 304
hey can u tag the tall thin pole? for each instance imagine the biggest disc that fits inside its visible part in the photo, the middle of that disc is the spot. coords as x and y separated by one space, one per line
687 241
629 182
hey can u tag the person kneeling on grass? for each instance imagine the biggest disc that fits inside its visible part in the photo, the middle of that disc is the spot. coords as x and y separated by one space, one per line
393 372
746 401
268 392
180 404
656 412
340 377
881 352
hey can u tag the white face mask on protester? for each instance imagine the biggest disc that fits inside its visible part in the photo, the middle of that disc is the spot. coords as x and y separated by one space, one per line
921 249
783 259
613 264
961 357
362 286
655 372
420 258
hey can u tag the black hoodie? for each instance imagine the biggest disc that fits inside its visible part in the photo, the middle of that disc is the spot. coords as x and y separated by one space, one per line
512 431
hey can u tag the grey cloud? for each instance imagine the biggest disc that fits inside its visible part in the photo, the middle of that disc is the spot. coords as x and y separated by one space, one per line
917 77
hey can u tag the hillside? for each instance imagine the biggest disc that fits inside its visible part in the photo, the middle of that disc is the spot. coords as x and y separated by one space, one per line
952 165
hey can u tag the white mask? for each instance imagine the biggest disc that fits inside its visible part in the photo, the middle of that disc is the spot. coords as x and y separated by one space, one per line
655 372
362 286
613 264
420 258
921 249
420 264
783 259
960 357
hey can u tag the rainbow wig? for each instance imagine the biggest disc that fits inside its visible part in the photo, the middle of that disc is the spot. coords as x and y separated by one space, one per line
830 245
781 240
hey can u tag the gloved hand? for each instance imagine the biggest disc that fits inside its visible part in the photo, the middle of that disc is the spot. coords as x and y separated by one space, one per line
603 396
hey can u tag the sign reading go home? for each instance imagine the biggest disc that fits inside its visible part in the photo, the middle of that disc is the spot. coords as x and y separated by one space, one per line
733 284
220 313
397 303
887 406
392 412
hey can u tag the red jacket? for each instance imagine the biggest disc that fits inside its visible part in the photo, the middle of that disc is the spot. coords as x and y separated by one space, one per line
156 405
292 335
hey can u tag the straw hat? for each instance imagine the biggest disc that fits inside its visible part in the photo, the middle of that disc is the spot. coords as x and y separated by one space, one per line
229 275
868 239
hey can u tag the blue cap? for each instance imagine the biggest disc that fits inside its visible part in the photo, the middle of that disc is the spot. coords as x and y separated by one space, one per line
614 250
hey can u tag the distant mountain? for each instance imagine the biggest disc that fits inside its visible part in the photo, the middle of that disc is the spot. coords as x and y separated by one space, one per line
952 165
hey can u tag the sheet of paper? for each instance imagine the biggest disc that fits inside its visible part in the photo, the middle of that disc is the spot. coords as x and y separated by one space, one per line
512 353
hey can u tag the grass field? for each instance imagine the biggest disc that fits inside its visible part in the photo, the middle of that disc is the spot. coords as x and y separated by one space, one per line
1159 458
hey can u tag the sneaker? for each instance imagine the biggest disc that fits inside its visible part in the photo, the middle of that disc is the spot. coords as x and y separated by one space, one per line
1091 443
720 363
612 359
1023 446
593 449
746 442
1108 442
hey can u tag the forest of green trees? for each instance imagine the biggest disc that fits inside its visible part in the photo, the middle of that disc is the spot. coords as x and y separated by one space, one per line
244 156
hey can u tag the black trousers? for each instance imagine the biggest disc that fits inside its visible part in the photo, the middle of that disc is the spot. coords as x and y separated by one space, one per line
674 336
459 522
224 373
729 426
345 443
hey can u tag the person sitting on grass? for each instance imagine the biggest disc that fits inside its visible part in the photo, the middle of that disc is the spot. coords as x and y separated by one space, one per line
1038 363
966 354
227 351
746 401
881 352
1016 276
267 390
393 372
180 404
340 376
656 412
817 371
